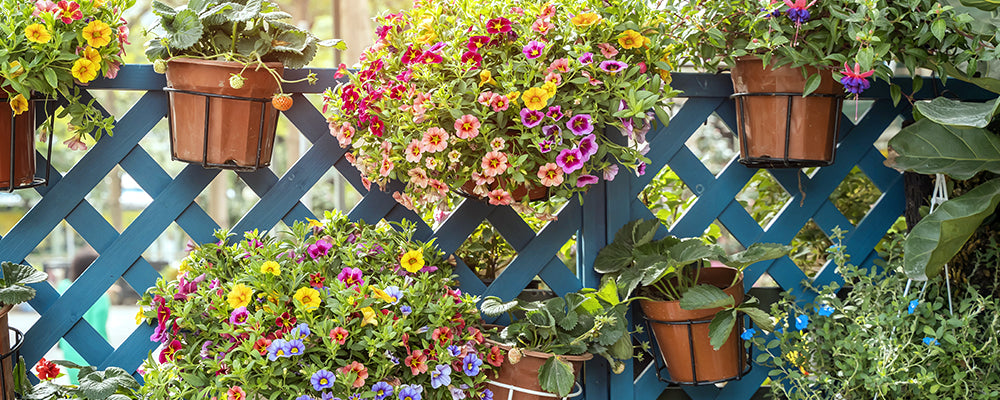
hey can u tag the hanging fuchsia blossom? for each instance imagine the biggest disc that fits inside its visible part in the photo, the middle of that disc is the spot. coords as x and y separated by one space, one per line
855 81
798 13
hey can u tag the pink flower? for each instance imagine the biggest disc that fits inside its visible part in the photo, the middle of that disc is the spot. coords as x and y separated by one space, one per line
561 65
580 124
418 177
593 81
351 276
530 118
435 184
549 11
550 174
542 26
642 67
588 146
555 112
533 49
570 160
239 316
319 249
608 50
69 11
341 71
44 6
74 143
343 132
167 354
435 140
498 143
499 102
112 71
403 200
430 58
613 67
386 167
412 54
414 151
477 42
467 127
586 58
554 77
494 163
585 180
500 197
485 98
610 172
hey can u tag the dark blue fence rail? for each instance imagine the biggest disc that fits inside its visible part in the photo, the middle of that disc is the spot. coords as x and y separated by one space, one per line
605 208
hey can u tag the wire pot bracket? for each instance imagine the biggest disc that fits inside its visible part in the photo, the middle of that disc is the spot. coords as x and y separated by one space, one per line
661 368
36 181
11 358
785 161
231 165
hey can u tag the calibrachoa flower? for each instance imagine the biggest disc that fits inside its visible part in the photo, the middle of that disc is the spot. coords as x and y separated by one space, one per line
500 197
435 140
535 98
498 25
320 248
471 364
322 379
69 11
494 163
412 261
239 296
550 174
382 390
394 294
441 376
570 160
584 180
37 33
612 66
356 368
278 348
97 33
239 316
236 393
351 277
531 118
580 124
588 146
467 127
417 361
409 392
270 267
308 297
339 335
495 356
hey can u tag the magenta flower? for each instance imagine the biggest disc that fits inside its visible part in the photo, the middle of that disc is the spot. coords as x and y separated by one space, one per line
580 124
477 42
533 49
351 277
586 58
641 169
531 118
612 66
545 146
855 81
588 146
585 180
69 11
239 316
552 131
570 160
498 25
555 112
434 49
472 57
411 55
319 249
431 58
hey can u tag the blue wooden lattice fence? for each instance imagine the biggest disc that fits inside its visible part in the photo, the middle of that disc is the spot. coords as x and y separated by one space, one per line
606 207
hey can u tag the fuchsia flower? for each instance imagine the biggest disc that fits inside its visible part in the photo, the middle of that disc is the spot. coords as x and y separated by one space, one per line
570 160
477 42
585 180
500 197
351 277
550 174
467 127
580 124
855 81
533 49
497 26
69 11
531 118
798 13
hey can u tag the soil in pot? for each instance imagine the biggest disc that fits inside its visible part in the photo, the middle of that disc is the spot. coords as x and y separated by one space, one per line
675 343
762 119
23 147
524 374
234 126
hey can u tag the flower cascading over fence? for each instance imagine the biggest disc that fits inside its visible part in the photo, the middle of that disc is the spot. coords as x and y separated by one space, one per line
338 310
500 96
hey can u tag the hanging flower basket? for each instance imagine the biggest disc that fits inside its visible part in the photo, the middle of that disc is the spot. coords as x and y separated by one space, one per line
17 148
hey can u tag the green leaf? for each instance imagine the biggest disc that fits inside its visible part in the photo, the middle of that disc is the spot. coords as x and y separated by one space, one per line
609 292
811 84
865 58
17 274
958 151
895 93
612 258
291 41
556 376
95 386
942 233
694 249
759 317
162 10
51 78
197 5
250 10
938 28
335 43
492 306
705 296
185 30
952 112
986 5
757 252
720 328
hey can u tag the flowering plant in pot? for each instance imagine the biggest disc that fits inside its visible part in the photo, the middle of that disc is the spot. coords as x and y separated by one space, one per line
52 48
819 43
548 340
339 309
14 290
506 101
673 282
228 48
112 383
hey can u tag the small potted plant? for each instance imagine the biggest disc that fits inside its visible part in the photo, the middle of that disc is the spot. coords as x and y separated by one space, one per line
786 58
112 383
685 300
548 340
224 63
49 49
505 101
13 291
337 310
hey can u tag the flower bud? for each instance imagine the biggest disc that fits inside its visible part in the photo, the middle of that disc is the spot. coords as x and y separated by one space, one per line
514 355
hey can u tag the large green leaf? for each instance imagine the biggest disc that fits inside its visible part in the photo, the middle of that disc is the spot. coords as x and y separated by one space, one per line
705 296
291 41
185 30
988 5
958 151
694 249
556 376
17 274
953 112
757 252
942 233
162 10
250 10
720 327
988 83
612 258
493 306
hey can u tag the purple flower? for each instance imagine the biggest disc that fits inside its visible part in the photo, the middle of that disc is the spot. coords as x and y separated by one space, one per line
613 66
640 170
351 238
555 112
580 124
545 146
393 359
530 118
437 46
586 58
441 376
456 393
322 379
319 249
239 316
185 287
610 172
204 349
410 392
296 347
570 160
553 132
487 395
454 350
533 49
588 146
855 85
351 277
406 310
277 348
382 390
585 180
798 15
301 331
471 364
304 397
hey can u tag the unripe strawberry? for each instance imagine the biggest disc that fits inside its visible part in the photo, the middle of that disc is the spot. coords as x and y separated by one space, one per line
236 81
160 66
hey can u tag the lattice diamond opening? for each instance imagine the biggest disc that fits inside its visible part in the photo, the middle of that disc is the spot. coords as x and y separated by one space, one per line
714 144
809 249
763 197
855 196
486 252
667 197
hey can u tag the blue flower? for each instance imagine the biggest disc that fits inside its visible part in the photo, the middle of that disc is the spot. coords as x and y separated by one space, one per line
913 306
471 364
410 392
456 393
296 347
395 293
748 334
824 310
392 358
329 396
322 379
356 396
406 310
931 341
301 331
486 395
454 350
801 322
441 376
277 348
382 390
304 397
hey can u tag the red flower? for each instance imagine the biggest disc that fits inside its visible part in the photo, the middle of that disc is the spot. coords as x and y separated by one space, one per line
442 335
430 58
285 320
472 57
495 357
360 369
167 354
477 335
412 54
339 335
417 361
261 345
46 369
341 71
70 11
477 42
498 25
316 280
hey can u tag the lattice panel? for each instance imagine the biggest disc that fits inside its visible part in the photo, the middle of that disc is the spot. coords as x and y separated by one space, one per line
605 208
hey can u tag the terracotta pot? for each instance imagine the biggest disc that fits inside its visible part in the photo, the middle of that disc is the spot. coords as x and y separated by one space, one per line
534 193
762 118
524 374
24 145
236 127
675 343
8 363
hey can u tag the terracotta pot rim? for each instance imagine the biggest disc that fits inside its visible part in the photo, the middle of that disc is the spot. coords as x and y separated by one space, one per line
538 354
220 63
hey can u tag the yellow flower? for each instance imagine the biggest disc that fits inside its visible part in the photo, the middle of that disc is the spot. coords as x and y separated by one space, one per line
239 296
16 69
99 3
85 70
19 104
665 73
314 223
631 39
413 261
585 19
270 267
139 317
97 33
184 267
512 96
93 55
309 298
535 98
549 88
381 295
368 316
486 78
37 33
427 33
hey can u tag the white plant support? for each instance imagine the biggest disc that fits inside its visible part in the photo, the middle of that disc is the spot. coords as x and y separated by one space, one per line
511 389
